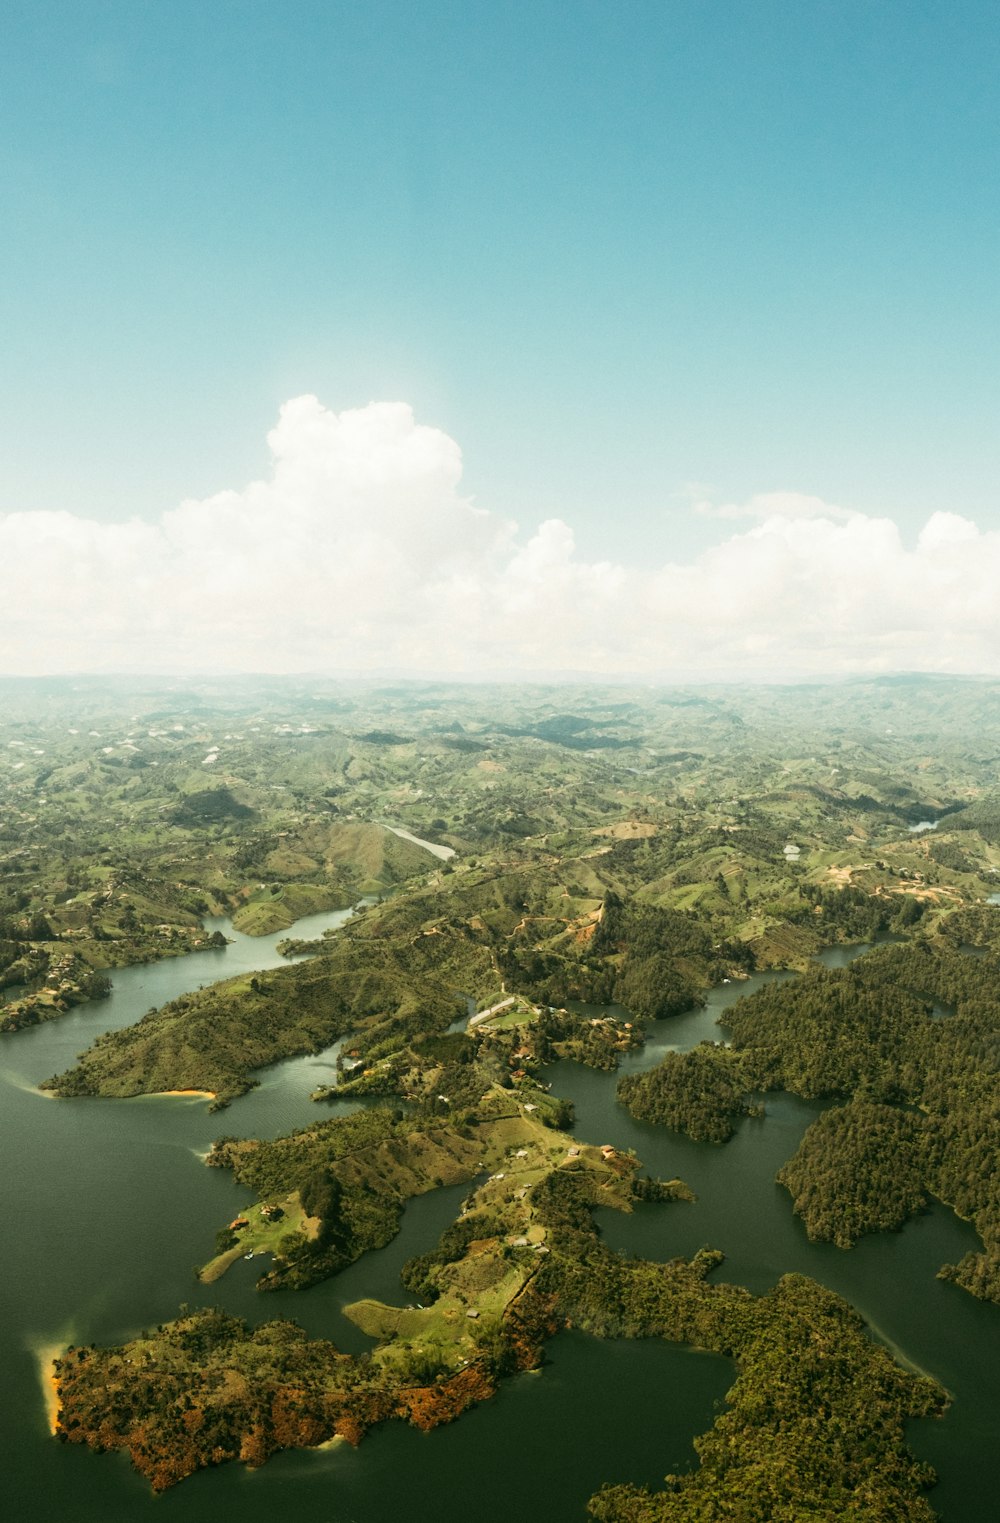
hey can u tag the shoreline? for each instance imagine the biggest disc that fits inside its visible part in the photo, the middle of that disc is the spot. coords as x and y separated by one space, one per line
47 1356
205 1094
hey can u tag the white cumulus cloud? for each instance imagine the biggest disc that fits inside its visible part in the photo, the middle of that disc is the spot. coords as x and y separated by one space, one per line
768 505
360 552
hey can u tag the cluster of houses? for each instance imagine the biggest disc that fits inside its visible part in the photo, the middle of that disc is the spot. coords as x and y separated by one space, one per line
267 1213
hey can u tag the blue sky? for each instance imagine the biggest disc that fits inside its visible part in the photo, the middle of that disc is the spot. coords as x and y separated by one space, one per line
626 255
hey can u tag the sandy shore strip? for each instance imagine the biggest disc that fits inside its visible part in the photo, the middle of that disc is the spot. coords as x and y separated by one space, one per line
204 1094
47 1354
18 1081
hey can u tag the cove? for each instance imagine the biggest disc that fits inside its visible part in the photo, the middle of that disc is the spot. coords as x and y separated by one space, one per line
107 1206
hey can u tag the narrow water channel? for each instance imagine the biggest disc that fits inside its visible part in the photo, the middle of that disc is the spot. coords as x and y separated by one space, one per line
107 1206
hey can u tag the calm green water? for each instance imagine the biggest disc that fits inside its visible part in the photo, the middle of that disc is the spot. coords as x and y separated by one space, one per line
107 1206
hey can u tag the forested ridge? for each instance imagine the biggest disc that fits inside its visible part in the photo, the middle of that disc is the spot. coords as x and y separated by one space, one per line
396 975
909 1037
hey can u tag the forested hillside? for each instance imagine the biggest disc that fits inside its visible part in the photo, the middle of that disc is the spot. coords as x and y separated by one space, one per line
583 875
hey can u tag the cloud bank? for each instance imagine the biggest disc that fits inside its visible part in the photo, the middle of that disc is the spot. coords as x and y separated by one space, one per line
360 553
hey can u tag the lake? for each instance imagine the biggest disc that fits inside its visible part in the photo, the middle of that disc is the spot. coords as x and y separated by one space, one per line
108 1206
